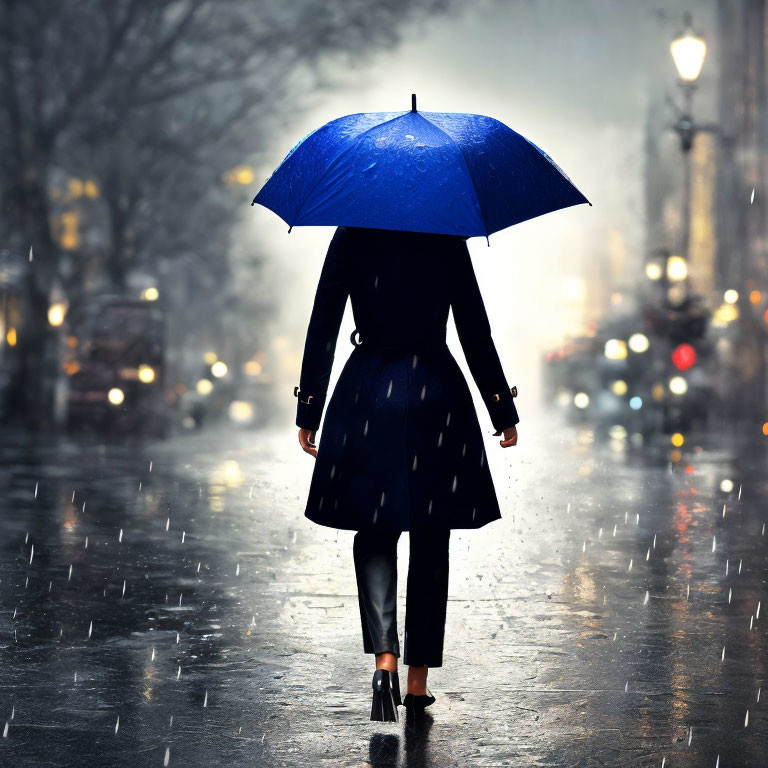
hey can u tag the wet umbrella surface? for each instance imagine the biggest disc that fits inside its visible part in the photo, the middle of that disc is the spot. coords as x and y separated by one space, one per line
169 605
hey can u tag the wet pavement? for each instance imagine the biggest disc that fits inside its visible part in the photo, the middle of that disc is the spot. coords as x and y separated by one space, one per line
168 603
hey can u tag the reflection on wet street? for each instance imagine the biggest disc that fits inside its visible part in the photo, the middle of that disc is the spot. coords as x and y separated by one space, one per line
168 603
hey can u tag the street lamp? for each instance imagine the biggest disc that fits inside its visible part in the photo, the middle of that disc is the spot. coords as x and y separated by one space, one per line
688 52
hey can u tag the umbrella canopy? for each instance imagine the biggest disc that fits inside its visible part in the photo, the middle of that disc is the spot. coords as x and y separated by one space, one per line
439 172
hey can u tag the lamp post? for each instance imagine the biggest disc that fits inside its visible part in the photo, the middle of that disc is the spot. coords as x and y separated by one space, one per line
688 52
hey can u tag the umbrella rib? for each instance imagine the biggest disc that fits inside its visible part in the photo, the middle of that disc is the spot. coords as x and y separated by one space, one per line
471 180
346 148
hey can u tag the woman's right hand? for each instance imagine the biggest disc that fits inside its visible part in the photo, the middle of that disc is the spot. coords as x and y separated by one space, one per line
510 437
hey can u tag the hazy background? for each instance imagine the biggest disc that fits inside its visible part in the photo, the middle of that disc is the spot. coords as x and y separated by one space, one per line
576 79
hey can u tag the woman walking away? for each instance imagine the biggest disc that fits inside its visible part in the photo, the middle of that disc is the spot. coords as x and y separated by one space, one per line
401 446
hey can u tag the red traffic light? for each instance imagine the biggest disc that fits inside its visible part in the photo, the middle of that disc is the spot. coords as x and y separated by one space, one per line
683 357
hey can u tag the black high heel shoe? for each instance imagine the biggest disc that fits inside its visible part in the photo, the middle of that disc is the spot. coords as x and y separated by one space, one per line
386 696
417 704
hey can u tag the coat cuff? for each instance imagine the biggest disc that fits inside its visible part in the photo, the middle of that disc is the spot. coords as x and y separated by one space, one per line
502 410
309 408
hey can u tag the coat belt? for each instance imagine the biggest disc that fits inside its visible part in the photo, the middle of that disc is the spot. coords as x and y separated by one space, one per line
413 343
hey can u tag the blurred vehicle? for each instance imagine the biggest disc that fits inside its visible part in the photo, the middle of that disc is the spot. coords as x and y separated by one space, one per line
116 374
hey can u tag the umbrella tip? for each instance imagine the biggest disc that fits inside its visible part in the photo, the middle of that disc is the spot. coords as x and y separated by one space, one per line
413 102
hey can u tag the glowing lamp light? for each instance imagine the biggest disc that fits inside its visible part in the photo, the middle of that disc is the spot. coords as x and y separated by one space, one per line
11 337
765 428
219 369
619 387
146 374
204 387
150 294
653 270
677 269
657 393
636 403
115 395
638 342
688 52
675 455
616 349
731 296
677 439
755 297
240 411
252 367
581 400
678 385
56 313
683 357
210 357
726 486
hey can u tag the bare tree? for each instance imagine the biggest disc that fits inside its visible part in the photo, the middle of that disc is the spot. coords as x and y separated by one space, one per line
155 100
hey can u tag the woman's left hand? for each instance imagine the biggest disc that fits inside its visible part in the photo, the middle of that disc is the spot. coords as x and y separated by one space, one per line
307 440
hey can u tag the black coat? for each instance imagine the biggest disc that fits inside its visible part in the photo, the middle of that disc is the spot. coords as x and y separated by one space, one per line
401 446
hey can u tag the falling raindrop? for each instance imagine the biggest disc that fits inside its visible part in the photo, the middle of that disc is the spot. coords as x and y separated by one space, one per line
614 530
123 595
647 597
690 735
205 700
414 463
752 196
630 565
626 686
739 496
614 636
739 565
726 566
198 567
178 672
758 693
150 466
455 480
584 547
26 538
654 541
237 570
648 554
723 510
177 638
90 629
625 516
183 536
568 509
389 388
439 439
714 543
31 554
5 730
730 591
751 620
722 657
365 428
180 596
746 719
36 490
600 534
167 758
120 537
757 612
75 676
423 391
117 724
250 492
30 253
153 653
86 542
717 762
70 573
167 523
13 712
637 519
687 591
663 760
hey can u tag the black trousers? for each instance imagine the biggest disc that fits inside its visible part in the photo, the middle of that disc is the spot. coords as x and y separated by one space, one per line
375 556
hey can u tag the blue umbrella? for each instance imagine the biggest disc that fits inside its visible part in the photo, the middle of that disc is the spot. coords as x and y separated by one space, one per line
447 173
